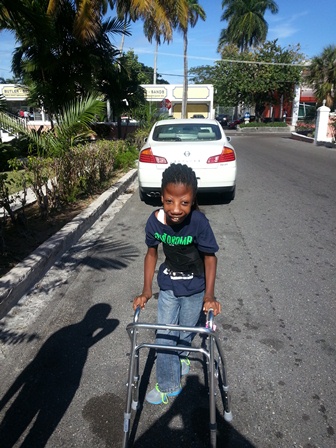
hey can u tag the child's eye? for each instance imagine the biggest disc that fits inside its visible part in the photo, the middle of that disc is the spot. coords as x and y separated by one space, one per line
185 203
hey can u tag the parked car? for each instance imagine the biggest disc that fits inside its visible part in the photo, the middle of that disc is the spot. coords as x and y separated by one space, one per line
233 124
198 116
128 121
223 119
198 143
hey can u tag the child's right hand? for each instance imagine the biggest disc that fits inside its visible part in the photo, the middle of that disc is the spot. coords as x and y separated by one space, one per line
140 301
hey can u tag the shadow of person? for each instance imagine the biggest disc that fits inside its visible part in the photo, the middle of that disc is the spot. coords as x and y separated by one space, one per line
186 423
48 384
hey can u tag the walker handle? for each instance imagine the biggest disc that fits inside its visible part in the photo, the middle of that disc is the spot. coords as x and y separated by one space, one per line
210 320
136 314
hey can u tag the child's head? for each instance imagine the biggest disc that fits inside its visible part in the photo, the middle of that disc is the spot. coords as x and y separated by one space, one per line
177 173
178 192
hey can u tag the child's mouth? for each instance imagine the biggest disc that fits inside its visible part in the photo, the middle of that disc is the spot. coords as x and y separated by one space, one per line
175 218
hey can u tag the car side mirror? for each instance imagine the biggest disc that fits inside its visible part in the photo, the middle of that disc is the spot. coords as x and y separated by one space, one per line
228 139
145 139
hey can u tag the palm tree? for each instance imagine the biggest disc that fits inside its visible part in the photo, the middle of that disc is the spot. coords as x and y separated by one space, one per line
87 21
246 24
322 75
153 29
194 12
54 59
159 18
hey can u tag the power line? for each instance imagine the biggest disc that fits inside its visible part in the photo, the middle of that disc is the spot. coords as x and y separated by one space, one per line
264 63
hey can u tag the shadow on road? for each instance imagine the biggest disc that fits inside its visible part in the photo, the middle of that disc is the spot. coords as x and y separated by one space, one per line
46 387
186 422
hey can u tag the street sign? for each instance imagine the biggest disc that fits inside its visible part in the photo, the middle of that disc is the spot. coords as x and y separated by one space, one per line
167 103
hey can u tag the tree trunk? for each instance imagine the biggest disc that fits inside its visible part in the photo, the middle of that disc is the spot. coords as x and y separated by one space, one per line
185 75
155 62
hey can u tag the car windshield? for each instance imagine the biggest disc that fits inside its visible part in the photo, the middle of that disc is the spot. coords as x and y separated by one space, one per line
187 132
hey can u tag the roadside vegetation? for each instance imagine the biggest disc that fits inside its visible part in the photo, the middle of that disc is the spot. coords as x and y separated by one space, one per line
271 124
61 166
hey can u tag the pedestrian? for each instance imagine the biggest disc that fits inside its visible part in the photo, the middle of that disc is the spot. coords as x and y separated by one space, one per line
21 113
186 278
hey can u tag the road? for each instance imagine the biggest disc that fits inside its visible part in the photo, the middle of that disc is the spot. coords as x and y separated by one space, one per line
64 352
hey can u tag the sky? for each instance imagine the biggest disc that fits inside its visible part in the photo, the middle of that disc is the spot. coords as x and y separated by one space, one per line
310 23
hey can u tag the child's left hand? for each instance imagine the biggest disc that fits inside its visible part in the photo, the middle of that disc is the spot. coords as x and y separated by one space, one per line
211 303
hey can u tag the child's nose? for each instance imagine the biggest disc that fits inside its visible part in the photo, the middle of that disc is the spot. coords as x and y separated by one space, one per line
176 208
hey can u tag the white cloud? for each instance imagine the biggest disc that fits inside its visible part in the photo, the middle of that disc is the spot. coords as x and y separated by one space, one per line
282 31
283 27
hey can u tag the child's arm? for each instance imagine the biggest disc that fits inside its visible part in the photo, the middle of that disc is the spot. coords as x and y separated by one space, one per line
210 265
149 269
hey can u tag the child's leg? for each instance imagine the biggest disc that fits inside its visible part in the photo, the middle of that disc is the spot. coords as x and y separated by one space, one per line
168 363
191 308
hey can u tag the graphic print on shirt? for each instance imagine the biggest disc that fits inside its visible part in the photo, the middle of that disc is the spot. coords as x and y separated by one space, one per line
173 240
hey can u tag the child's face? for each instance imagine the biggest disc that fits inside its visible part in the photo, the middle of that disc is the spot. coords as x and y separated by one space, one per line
177 200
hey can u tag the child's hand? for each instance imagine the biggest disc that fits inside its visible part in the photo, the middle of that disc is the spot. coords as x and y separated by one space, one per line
140 301
211 303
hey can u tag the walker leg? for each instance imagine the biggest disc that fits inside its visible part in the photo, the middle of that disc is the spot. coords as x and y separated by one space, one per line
135 401
133 365
212 402
224 386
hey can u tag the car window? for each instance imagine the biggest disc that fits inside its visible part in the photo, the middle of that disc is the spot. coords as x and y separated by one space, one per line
187 132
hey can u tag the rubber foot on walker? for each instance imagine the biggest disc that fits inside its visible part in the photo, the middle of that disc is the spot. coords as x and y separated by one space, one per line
135 405
228 416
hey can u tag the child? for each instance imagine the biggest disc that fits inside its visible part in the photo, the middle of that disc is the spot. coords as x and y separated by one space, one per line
186 278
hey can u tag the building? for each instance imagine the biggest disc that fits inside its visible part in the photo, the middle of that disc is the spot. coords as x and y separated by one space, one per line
303 106
18 108
16 98
168 98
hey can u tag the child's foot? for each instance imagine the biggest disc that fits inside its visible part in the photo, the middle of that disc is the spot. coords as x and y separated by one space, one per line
155 396
185 366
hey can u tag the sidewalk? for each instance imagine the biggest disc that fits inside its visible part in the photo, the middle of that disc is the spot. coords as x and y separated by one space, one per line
25 274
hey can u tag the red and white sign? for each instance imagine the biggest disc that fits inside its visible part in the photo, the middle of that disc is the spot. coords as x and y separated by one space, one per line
166 103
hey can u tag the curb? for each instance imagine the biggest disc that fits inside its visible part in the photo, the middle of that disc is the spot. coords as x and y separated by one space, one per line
264 130
26 274
301 138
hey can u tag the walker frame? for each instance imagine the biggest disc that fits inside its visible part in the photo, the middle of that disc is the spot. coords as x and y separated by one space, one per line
216 368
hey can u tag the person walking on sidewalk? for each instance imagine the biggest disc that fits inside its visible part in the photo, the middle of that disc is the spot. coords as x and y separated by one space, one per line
186 278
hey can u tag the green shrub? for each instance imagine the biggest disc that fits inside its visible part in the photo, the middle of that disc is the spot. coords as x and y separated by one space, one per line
11 150
81 170
126 160
138 138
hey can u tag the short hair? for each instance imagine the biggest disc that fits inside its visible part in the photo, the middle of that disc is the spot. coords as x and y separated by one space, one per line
177 173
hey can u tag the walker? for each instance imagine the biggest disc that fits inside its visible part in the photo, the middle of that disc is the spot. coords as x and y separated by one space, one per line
216 369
